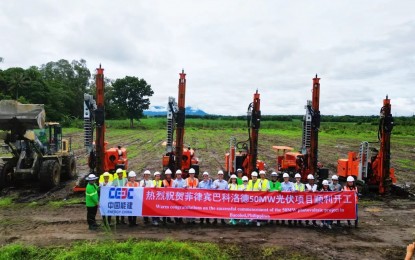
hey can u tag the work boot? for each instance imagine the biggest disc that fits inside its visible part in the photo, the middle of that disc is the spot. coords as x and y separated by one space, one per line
223 222
355 223
202 220
207 221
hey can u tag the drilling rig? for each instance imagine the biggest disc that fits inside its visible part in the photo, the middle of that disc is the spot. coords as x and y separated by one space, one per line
306 161
100 158
372 166
177 156
247 156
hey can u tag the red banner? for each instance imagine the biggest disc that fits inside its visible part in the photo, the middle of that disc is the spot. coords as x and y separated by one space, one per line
200 203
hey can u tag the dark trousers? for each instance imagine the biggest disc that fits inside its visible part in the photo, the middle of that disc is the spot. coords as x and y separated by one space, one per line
132 220
117 218
106 220
91 213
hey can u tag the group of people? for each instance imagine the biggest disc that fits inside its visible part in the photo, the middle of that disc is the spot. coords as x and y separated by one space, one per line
236 182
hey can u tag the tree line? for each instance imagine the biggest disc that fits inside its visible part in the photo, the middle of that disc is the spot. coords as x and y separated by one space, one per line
61 85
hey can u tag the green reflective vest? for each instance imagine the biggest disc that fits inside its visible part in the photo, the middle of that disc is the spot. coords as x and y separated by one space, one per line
91 195
275 186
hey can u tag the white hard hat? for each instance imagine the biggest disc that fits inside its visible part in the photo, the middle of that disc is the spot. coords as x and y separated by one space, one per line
91 177
156 173
310 177
168 171
233 176
132 174
244 178
350 178
147 172
106 174
205 174
274 174
334 177
254 174
119 170
178 172
192 171
325 182
261 172
297 175
285 175
239 170
220 172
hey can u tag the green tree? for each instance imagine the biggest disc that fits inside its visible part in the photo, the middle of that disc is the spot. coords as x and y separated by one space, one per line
131 95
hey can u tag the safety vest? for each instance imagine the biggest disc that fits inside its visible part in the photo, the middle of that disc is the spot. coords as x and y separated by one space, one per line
192 183
101 178
124 175
275 186
299 186
263 184
253 186
158 184
91 195
347 188
243 187
131 184
233 186
167 184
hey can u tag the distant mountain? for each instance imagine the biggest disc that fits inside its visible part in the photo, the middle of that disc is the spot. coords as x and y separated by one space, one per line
162 111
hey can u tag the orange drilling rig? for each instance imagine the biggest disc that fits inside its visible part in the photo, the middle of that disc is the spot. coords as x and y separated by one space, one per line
246 157
177 156
306 161
100 158
371 166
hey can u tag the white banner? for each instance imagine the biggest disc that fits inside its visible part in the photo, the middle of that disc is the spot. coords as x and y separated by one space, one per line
121 201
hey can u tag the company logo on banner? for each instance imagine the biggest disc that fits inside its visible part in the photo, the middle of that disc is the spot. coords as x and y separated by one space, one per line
121 201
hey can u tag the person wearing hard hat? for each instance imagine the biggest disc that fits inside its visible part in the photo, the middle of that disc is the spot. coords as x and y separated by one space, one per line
326 223
167 183
91 201
119 181
106 183
240 174
351 186
101 178
220 184
146 182
253 185
263 183
157 183
132 220
274 186
311 187
179 182
191 182
117 175
287 186
206 184
244 185
233 185
298 187
335 186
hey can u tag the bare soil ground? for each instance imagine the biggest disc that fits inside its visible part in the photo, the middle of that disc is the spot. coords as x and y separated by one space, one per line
387 225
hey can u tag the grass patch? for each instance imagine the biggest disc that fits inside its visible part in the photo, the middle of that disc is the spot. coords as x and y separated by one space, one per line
6 202
165 249
63 203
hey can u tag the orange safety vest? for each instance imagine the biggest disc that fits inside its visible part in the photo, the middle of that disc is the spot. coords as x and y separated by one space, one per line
167 184
192 183
132 184
347 188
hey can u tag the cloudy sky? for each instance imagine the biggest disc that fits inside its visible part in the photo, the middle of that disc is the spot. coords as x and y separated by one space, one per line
362 50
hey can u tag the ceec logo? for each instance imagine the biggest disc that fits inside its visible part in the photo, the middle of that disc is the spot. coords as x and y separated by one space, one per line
121 193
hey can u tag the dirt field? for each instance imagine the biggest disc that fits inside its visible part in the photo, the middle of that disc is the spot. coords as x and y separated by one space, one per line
387 225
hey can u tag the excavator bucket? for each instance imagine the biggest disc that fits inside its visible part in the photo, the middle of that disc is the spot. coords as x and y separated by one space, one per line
25 116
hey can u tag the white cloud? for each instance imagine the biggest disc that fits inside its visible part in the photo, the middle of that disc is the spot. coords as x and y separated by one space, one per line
361 51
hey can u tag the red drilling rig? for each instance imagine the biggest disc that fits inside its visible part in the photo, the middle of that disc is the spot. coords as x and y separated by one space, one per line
372 166
177 156
247 156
